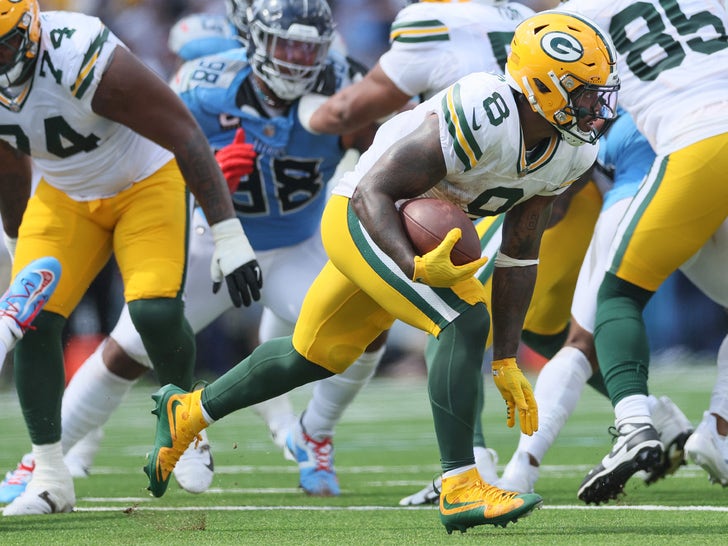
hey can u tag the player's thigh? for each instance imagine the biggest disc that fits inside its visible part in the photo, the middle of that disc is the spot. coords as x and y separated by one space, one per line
563 247
150 238
591 273
707 268
359 293
202 307
682 202
288 273
55 225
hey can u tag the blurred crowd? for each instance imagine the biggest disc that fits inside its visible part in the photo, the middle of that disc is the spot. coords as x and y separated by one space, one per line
680 319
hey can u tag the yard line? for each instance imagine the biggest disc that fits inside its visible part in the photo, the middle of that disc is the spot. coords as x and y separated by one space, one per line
646 508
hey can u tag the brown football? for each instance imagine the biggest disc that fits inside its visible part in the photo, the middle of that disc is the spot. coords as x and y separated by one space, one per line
427 221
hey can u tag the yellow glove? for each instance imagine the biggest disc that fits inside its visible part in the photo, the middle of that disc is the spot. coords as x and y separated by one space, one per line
436 268
471 290
517 392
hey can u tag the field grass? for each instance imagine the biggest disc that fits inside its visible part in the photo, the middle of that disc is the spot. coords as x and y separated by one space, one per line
385 450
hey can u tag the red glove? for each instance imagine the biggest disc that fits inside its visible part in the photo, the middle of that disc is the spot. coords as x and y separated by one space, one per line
236 160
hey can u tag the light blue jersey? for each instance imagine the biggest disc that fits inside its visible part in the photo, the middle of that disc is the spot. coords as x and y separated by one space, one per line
626 156
281 202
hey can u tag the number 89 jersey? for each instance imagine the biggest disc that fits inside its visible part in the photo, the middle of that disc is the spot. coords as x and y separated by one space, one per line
488 168
51 120
672 57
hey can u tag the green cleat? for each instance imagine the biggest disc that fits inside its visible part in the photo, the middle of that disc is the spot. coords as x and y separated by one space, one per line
467 501
179 422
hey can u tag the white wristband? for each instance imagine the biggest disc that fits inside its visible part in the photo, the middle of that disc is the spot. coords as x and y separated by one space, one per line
503 260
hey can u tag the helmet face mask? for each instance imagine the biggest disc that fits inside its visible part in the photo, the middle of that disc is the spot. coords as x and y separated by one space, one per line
19 40
289 42
566 67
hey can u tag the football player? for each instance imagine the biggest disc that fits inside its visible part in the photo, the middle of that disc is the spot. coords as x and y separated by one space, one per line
114 175
490 145
277 173
676 95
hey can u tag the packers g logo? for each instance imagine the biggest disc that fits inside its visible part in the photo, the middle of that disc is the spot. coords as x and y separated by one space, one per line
562 47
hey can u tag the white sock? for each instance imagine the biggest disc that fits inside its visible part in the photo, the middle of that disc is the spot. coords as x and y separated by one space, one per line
331 396
90 398
632 409
558 389
49 465
719 398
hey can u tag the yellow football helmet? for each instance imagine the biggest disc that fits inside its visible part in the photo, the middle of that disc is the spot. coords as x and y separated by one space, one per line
19 39
566 66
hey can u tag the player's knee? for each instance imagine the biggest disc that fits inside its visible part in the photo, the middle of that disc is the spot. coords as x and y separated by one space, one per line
154 317
118 362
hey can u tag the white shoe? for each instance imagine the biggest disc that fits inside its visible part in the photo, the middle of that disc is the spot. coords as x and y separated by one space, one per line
519 475
39 497
195 469
708 449
674 428
80 457
486 460
428 495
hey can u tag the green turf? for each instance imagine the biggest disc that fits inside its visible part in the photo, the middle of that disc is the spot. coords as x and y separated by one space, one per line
385 450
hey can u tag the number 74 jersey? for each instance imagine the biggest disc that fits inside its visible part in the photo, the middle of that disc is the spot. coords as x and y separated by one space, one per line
51 119
672 57
488 168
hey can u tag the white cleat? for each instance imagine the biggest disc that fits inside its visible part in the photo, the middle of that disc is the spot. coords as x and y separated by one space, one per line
709 450
43 498
674 428
195 469
519 475
428 495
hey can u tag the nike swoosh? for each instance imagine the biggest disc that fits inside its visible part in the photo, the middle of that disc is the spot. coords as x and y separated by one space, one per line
176 402
458 507
475 122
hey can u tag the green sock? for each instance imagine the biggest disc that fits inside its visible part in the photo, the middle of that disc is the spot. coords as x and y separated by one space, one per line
478 436
455 361
273 368
596 382
167 337
621 339
40 377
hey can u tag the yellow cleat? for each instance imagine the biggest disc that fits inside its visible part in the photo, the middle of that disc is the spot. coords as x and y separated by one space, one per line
179 422
466 501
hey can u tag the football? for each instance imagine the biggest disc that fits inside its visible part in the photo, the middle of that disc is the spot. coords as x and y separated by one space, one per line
427 221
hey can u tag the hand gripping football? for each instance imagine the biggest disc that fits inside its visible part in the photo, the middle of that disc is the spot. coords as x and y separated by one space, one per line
427 221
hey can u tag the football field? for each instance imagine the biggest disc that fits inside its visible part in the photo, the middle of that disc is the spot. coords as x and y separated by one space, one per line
385 450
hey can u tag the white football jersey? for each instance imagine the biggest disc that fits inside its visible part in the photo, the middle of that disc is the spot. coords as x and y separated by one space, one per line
76 151
434 44
672 58
488 168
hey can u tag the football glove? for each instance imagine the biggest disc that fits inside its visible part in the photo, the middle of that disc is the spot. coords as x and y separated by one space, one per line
436 268
236 160
234 260
517 392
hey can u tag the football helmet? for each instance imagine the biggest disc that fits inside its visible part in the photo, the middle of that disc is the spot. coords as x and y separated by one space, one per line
289 41
19 40
238 16
566 67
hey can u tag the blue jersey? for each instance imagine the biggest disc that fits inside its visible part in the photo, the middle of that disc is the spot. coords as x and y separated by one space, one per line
281 202
626 156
